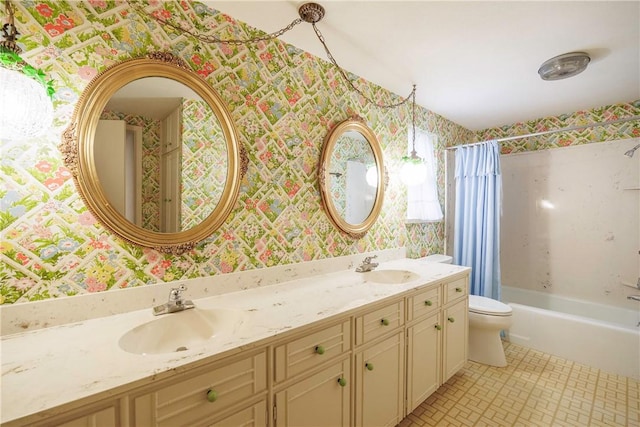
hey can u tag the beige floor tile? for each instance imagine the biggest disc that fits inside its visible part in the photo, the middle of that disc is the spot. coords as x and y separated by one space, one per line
535 389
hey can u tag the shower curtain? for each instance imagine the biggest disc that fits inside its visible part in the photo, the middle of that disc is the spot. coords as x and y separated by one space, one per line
477 216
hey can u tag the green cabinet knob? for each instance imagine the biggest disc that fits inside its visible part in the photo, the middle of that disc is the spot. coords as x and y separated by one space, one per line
451 319
385 322
458 289
319 349
212 395
342 382
369 366
428 303
438 327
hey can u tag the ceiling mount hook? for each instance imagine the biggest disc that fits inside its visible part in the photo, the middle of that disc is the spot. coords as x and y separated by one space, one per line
311 12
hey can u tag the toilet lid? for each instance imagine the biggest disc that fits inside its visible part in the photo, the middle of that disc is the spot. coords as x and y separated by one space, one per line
484 305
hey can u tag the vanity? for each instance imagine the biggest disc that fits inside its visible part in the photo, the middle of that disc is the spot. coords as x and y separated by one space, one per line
340 349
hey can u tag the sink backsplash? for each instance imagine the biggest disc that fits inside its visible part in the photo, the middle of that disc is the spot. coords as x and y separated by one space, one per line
16 318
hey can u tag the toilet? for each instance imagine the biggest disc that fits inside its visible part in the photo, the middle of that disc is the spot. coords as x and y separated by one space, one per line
487 317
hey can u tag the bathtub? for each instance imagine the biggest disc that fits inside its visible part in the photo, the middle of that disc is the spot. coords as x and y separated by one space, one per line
596 335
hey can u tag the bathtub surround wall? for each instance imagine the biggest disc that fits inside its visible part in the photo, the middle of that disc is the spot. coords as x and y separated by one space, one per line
283 102
571 222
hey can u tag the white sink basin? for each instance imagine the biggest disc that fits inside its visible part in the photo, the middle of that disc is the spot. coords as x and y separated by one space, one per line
181 331
391 277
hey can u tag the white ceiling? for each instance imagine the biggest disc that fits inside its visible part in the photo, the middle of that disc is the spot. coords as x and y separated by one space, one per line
474 62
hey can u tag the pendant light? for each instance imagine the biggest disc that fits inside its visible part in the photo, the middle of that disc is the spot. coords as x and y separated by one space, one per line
26 110
413 170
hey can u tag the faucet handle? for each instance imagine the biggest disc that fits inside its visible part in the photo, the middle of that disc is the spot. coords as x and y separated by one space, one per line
368 259
176 293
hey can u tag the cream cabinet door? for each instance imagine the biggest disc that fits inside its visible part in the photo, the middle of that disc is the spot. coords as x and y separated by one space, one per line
322 399
105 417
455 326
424 346
380 383
210 393
253 416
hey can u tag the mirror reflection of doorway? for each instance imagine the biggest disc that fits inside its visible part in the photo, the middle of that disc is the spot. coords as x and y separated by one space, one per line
360 195
118 160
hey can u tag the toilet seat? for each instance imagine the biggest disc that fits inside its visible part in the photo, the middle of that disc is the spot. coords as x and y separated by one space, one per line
488 306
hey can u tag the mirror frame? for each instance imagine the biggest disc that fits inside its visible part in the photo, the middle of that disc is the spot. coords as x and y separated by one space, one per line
78 140
353 123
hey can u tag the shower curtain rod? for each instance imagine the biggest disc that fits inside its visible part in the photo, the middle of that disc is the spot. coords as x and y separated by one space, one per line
547 132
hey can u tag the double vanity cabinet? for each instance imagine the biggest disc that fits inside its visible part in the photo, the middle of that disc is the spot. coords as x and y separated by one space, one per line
366 366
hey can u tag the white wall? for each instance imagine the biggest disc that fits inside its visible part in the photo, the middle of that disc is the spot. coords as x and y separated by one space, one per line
570 223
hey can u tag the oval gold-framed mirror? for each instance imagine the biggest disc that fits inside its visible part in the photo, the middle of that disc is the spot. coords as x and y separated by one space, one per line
351 177
131 176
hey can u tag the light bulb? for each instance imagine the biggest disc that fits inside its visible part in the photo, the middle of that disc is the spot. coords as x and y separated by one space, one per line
26 110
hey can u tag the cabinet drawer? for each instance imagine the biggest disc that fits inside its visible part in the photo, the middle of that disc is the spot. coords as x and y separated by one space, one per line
456 289
377 323
425 302
311 350
186 402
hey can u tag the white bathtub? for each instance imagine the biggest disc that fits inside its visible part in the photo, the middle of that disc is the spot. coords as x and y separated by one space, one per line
596 335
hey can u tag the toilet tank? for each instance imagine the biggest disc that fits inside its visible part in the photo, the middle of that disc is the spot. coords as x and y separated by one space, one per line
444 259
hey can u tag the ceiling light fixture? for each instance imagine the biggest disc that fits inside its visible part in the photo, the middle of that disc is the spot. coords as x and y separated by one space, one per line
564 66
26 110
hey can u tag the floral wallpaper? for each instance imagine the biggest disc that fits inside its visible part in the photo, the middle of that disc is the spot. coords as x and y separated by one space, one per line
607 113
283 102
203 162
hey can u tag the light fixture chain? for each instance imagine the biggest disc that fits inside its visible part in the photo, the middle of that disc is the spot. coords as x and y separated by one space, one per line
212 39
353 86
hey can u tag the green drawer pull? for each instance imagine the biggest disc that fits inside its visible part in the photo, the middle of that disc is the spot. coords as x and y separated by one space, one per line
438 327
319 349
212 395
385 322
458 289
342 382
451 319
369 366
429 303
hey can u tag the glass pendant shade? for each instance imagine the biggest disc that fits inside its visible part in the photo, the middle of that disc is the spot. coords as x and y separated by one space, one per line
26 110
413 171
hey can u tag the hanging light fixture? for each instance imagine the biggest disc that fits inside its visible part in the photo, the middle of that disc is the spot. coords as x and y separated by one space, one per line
413 170
26 110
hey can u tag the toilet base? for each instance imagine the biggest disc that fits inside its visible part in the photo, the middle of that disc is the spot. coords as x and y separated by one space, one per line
485 346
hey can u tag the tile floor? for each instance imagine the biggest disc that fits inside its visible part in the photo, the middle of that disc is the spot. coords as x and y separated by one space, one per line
536 389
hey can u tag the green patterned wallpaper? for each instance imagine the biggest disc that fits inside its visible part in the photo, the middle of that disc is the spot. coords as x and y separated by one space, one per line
563 139
283 102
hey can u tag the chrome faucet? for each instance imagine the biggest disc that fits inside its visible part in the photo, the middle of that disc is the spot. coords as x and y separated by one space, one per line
367 265
176 302
634 297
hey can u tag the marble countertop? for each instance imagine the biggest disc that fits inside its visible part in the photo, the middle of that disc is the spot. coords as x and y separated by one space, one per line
45 368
